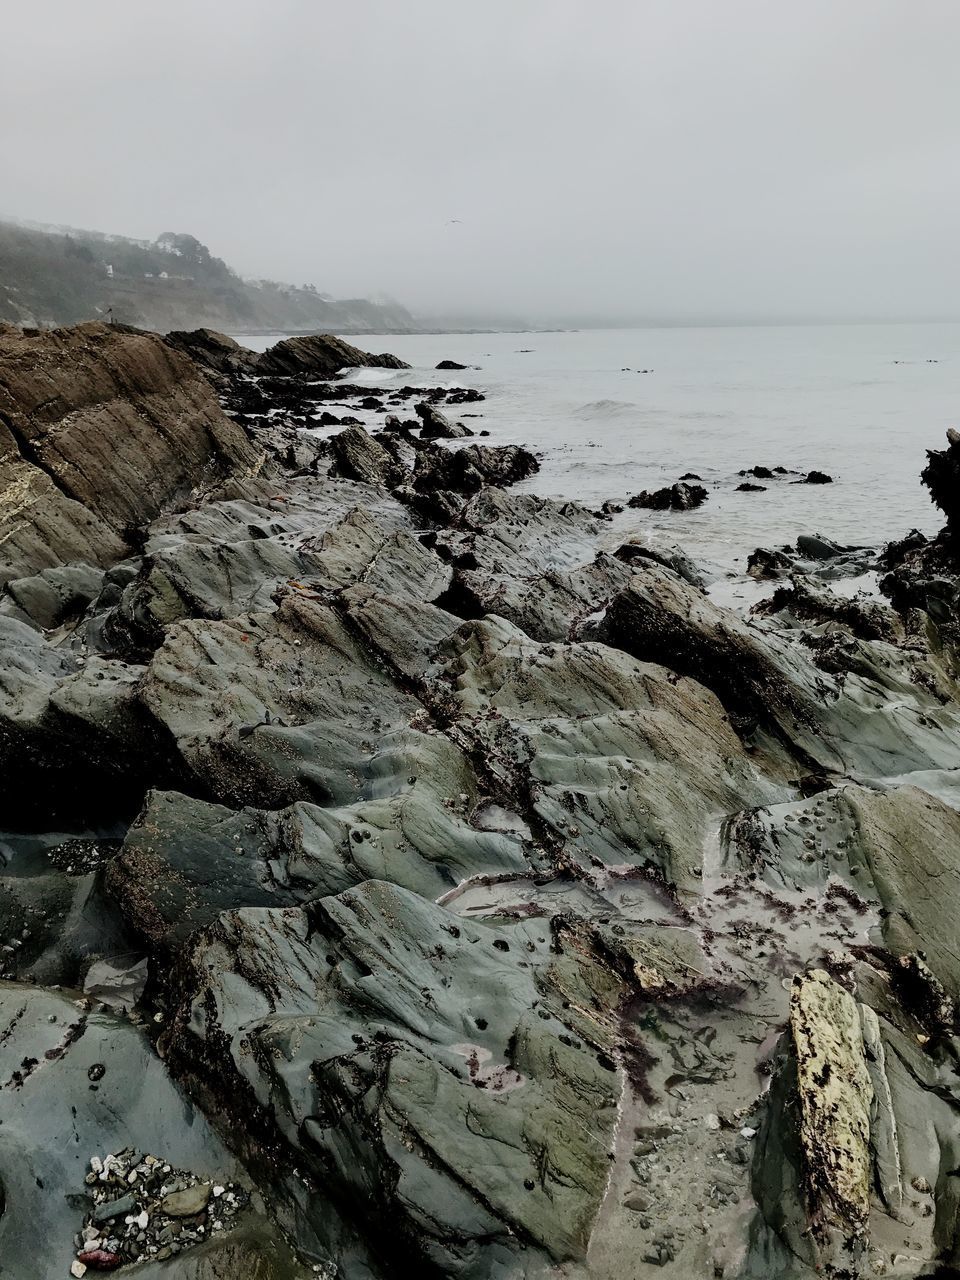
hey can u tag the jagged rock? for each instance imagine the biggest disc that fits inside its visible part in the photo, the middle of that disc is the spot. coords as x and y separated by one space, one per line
185 861
851 723
321 355
359 549
270 708
808 601
941 475
215 352
442 476
759 473
412 1036
751 488
100 430
66 725
675 497
815 477
53 596
620 762
357 456
436 426
671 557
529 559
208 580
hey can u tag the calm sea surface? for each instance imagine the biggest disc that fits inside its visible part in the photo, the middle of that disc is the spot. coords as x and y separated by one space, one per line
861 402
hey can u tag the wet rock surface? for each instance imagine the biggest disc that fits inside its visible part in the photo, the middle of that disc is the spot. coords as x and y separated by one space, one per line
675 497
404 874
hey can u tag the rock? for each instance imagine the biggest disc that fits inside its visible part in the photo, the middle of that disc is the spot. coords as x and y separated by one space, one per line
100 1259
217 354
437 427
102 430
814 547
941 475
47 1046
442 476
835 1100
114 1209
330 704
532 560
187 1203
676 497
671 557
66 725
815 477
53 596
421 1065
320 355
760 473
451 364
751 488
661 753
357 456
808 601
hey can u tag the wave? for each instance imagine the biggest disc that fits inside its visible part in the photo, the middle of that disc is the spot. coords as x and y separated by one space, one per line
606 409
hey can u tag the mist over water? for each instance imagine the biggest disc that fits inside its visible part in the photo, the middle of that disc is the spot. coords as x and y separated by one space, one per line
862 403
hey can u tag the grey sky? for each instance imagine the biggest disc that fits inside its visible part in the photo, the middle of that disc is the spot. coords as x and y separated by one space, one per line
604 157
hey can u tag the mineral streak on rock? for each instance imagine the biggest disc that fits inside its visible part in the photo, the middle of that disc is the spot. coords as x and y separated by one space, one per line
835 1099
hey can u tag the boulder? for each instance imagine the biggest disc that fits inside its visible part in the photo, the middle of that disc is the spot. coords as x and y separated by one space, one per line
436 426
321 355
357 456
216 353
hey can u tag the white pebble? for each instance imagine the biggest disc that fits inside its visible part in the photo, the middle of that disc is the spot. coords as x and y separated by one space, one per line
218 1191
748 1132
78 1268
142 1219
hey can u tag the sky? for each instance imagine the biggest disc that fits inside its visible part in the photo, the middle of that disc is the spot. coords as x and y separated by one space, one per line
560 160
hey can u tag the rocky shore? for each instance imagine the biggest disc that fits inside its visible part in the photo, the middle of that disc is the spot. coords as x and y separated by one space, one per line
404 875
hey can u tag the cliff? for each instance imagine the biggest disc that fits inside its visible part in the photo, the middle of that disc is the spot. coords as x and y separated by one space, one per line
52 276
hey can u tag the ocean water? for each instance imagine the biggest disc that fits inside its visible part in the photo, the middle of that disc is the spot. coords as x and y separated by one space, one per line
861 402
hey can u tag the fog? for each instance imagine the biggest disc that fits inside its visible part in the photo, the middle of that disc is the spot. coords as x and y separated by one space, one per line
552 159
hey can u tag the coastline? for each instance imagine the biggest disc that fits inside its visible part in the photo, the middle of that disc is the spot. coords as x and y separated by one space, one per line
462 881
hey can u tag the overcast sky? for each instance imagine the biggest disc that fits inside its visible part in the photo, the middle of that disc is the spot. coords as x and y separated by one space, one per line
550 158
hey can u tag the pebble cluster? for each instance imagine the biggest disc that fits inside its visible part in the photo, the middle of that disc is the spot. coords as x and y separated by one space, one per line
144 1209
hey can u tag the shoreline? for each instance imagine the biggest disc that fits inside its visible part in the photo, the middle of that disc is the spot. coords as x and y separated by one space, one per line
469 882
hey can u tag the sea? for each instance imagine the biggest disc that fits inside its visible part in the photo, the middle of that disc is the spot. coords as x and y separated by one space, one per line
611 412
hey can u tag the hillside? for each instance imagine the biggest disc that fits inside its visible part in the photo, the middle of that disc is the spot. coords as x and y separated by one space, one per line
65 276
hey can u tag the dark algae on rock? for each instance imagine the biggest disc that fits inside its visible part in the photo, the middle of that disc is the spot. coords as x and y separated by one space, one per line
402 874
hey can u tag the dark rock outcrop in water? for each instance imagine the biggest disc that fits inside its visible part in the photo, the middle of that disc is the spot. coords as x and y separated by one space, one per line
319 356
441 887
675 497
